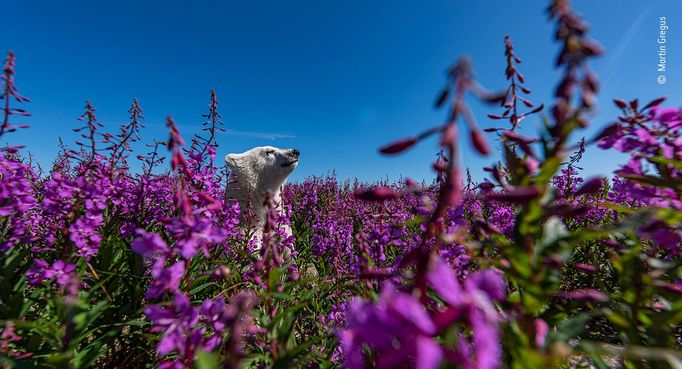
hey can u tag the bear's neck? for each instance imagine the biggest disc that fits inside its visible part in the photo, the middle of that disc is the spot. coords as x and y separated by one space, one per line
250 191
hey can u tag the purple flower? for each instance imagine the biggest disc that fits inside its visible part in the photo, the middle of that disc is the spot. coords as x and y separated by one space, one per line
519 195
398 329
61 272
490 282
16 200
486 340
663 235
444 282
214 313
177 324
587 268
148 244
592 186
84 234
186 329
473 301
166 279
9 336
541 331
194 232
36 274
670 117
587 295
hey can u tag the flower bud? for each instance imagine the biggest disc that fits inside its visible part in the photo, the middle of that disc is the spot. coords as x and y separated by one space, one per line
520 195
587 295
449 135
592 186
654 103
587 268
486 186
479 142
440 166
222 272
620 103
592 48
398 146
541 330
376 194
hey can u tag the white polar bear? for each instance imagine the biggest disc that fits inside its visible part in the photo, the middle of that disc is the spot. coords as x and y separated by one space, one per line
257 171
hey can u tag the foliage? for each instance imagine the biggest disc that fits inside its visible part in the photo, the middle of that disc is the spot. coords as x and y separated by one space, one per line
536 267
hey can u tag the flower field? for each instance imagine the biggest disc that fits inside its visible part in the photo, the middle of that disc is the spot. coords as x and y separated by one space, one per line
103 266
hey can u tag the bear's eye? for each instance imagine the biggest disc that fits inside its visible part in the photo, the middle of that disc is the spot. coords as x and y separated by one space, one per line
269 152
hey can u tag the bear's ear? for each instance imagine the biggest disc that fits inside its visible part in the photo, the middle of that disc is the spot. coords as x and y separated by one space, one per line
231 160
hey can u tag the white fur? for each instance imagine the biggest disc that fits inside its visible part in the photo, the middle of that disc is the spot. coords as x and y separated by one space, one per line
257 171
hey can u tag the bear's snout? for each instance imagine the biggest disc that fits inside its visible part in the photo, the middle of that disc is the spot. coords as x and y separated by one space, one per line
295 153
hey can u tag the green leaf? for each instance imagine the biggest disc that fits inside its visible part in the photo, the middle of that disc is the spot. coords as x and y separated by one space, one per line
286 360
207 360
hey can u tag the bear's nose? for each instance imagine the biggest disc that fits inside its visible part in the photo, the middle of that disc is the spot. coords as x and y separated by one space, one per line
294 152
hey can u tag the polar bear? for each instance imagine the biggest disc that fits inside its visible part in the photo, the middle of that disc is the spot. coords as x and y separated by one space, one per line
256 171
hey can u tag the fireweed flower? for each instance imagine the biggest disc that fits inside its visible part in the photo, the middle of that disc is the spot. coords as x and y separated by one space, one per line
149 244
398 329
648 135
541 330
87 193
519 195
78 204
332 235
83 233
567 182
662 235
7 338
276 245
194 225
489 282
61 273
187 329
157 253
178 326
165 279
473 302
512 96
214 314
16 199
376 194
203 148
9 92
235 317
399 146
587 295
36 274
194 232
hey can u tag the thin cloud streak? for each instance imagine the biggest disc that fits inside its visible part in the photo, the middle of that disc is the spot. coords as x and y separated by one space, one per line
266 135
623 43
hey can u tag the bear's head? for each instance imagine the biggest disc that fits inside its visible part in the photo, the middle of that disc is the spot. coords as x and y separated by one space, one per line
263 168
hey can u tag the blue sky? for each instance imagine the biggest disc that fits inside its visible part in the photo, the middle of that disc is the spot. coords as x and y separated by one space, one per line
335 79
